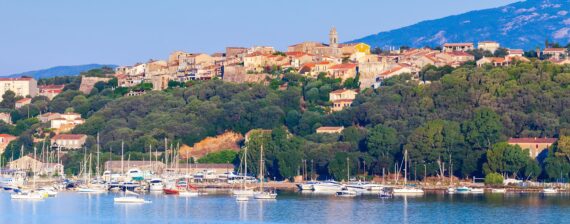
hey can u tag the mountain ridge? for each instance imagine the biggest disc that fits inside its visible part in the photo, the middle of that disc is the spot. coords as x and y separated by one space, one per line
67 70
524 24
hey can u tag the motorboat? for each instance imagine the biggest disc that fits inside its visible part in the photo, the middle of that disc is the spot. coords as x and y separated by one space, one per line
386 194
171 191
373 187
265 195
135 199
359 187
463 190
49 191
91 190
408 191
477 191
451 190
307 186
347 193
156 185
328 186
549 191
499 190
20 195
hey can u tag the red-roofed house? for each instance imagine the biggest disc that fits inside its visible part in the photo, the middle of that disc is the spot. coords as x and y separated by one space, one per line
516 52
50 91
342 71
555 53
22 102
342 98
450 47
68 141
5 139
397 70
534 145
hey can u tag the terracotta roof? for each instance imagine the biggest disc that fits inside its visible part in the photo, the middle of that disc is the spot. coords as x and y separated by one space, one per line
24 100
343 101
343 66
69 136
16 79
207 166
458 53
7 136
341 91
457 44
532 140
516 51
329 128
392 70
554 49
45 87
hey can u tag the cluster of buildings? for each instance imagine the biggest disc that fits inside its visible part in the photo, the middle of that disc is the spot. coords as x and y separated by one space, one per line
335 60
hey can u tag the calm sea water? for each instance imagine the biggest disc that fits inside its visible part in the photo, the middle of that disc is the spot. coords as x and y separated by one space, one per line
291 208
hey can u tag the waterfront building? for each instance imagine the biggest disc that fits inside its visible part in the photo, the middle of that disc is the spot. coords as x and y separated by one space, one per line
24 86
30 164
118 166
536 146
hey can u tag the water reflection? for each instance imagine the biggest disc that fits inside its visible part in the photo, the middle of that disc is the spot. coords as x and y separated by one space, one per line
292 208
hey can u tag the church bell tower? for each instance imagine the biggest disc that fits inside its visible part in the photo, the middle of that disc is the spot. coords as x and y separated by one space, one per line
333 38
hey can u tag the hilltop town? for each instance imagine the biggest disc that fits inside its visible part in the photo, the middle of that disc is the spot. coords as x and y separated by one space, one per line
333 101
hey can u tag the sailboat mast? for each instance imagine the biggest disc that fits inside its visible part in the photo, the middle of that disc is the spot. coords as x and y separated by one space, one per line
261 169
405 167
34 171
122 158
98 153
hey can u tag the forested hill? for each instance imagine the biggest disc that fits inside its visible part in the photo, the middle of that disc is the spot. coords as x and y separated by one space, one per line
467 115
60 71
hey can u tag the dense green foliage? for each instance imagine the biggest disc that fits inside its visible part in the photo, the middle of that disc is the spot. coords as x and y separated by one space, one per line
493 179
457 124
224 156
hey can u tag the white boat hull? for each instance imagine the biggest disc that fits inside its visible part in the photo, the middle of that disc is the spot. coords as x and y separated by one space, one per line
243 192
265 195
408 191
27 196
132 200
333 188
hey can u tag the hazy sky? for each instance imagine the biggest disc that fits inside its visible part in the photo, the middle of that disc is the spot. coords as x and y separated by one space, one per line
40 34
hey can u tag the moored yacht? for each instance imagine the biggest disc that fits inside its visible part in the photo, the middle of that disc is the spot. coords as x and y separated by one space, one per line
328 186
156 184
549 191
307 186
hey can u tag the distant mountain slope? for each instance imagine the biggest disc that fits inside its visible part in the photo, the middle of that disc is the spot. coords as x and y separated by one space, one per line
519 25
60 71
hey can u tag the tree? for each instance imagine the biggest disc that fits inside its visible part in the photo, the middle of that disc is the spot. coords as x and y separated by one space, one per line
484 129
224 156
382 143
8 100
493 179
507 159
563 147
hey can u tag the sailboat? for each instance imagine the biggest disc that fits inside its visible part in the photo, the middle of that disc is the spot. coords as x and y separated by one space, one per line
31 195
189 190
88 187
130 199
406 190
243 192
262 194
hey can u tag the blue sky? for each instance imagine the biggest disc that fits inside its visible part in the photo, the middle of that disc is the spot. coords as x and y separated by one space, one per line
41 34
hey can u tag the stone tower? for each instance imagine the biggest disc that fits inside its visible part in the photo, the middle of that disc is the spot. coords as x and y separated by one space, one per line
333 38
